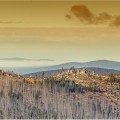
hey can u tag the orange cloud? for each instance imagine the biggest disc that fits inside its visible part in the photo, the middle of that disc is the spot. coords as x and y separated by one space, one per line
116 22
68 16
85 16
82 13
103 18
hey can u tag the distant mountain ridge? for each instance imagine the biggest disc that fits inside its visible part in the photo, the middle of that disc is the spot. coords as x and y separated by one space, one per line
105 64
14 58
45 60
21 59
97 64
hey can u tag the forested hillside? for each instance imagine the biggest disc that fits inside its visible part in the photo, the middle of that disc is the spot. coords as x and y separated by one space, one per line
53 97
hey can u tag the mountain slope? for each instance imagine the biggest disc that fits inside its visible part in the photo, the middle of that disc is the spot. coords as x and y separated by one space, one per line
104 64
98 64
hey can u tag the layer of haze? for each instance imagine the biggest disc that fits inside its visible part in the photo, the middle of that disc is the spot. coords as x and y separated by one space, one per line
40 30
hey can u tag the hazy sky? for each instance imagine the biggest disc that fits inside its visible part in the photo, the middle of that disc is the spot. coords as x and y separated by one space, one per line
77 31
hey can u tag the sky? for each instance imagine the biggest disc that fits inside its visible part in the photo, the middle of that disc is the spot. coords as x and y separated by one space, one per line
60 30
